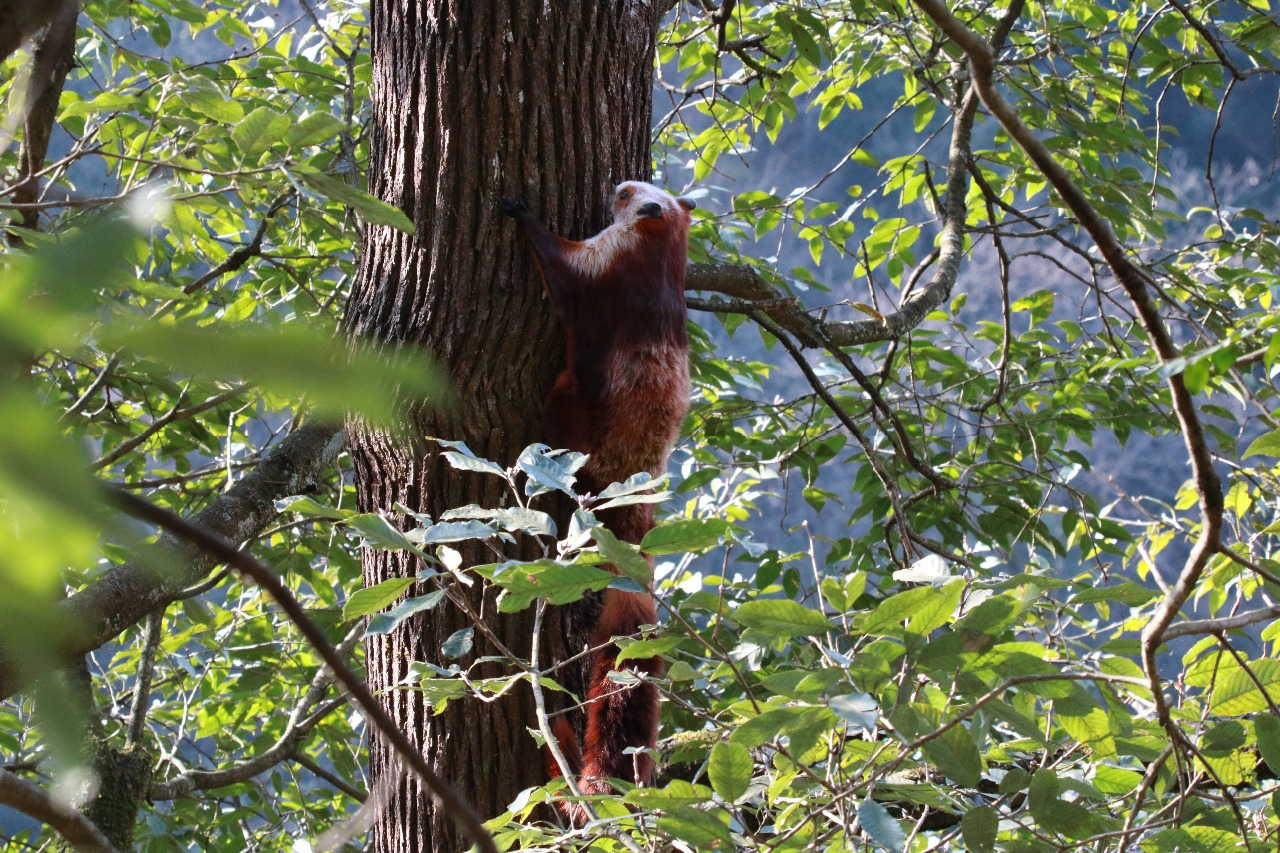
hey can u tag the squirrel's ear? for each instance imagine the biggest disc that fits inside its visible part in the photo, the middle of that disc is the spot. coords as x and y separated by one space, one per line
687 203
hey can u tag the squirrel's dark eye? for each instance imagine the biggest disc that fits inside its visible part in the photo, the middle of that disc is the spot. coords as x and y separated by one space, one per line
624 195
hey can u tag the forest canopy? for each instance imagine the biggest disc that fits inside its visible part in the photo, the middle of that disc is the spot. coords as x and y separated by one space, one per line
970 540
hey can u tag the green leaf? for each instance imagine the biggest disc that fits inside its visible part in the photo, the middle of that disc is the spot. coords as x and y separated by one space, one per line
1054 814
310 508
903 607
458 643
956 755
370 208
514 518
729 769
1201 839
624 557
546 470
686 535
674 794
461 457
1128 592
258 131
379 533
781 618
210 102
1267 444
557 583
312 130
1267 729
978 827
885 832
1236 692
373 598
292 360
385 623
778 722
647 648
701 830
451 531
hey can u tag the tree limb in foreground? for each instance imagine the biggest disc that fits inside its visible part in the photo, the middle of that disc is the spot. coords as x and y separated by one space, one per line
32 800
101 612
261 574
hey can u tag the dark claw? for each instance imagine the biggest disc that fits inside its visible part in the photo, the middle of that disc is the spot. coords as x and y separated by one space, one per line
513 207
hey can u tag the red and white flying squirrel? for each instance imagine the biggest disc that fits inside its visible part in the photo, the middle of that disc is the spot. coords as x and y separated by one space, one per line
621 398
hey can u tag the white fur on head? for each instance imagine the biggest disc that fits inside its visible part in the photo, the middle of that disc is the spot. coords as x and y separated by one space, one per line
630 196
598 252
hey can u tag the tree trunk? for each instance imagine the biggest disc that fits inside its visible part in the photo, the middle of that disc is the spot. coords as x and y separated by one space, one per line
549 101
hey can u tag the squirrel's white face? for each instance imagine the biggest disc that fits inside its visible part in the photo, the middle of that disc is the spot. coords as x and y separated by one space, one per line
635 200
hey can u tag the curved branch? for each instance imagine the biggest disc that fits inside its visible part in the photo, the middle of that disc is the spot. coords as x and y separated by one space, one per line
1135 284
30 799
261 574
755 295
129 592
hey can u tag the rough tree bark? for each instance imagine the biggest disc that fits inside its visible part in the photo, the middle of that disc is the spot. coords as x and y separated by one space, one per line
550 101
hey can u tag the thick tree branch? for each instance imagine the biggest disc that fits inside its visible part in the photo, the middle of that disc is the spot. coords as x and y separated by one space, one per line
32 800
261 574
755 295
21 19
1193 627
1135 284
53 59
102 611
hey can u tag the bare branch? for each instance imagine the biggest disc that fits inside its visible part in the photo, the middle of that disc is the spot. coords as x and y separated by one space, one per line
1219 626
32 800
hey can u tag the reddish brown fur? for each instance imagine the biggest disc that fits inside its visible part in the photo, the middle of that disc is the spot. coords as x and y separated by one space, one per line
620 398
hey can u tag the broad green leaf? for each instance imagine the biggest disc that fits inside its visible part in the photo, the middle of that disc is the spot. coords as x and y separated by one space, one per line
458 643
312 130
291 360
385 623
674 794
311 508
1267 728
623 556
374 598
370 208
557 583
648 648
258 131
978 827
1267 444
885 832
379 533
700 829
686 535
1053 813
1201 839
1236 692
781 618
956 755
451 531
729 768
